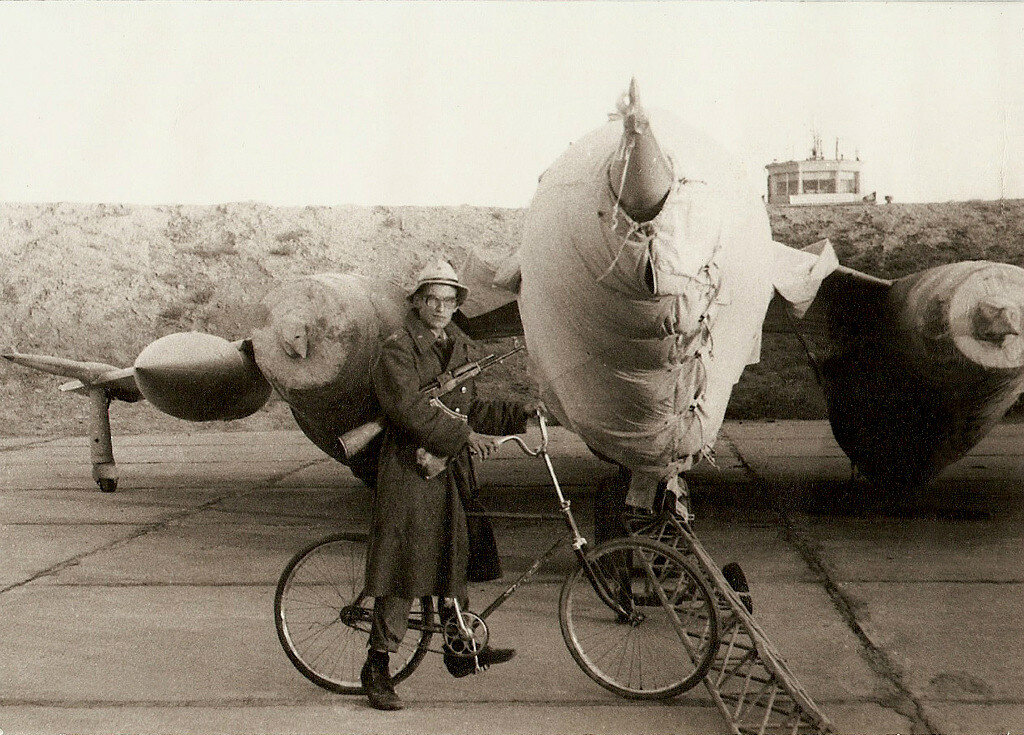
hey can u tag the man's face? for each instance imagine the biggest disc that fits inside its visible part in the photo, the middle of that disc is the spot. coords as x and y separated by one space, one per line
435 303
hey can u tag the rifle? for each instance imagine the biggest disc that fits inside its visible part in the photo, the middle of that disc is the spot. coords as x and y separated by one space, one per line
354 441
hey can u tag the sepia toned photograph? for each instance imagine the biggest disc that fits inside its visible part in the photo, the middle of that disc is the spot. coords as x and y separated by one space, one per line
583 368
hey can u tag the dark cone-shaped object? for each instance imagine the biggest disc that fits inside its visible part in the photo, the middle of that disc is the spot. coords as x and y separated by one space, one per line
734 575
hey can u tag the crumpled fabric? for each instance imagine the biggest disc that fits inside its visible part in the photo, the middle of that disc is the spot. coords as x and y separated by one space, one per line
637 332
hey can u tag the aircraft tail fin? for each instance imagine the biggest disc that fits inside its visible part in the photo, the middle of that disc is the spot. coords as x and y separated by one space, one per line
119 382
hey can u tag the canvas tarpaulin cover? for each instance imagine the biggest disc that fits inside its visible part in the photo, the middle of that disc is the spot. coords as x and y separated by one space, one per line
637 332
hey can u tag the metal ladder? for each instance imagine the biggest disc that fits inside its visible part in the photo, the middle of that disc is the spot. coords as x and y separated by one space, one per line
749 680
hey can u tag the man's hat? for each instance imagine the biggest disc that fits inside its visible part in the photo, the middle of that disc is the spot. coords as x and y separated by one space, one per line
442 272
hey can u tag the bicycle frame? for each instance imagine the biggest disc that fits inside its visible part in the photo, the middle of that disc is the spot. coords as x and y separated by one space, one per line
573 538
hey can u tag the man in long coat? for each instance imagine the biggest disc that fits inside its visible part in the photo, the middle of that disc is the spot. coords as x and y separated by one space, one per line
418 535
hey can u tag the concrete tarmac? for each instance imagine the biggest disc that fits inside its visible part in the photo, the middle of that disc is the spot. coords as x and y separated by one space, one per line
151 609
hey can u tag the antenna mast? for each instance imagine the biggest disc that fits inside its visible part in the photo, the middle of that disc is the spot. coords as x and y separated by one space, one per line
816 152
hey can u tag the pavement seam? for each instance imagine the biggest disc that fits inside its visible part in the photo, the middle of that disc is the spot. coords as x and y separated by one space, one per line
906 703
274 480
29 445
144 529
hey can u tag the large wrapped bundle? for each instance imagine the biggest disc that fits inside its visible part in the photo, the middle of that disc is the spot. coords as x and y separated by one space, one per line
638 331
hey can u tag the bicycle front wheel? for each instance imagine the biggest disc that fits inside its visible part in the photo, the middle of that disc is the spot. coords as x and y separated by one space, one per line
323 618
642 623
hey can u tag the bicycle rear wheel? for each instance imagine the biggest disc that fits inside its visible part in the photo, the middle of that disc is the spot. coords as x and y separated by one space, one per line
660 636
323 618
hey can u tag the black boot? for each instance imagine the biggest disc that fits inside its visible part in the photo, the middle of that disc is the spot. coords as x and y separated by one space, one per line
377 684
459 666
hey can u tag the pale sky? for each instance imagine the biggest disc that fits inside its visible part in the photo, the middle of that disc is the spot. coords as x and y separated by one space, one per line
466 103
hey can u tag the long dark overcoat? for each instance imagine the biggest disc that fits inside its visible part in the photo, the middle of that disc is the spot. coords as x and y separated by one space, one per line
418 539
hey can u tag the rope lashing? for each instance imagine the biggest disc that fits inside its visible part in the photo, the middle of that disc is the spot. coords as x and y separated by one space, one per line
624 153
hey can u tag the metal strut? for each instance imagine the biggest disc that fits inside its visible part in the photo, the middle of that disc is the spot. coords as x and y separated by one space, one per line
104 471
749 680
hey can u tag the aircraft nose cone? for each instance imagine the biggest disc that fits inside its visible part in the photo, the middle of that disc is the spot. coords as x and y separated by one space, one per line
996 319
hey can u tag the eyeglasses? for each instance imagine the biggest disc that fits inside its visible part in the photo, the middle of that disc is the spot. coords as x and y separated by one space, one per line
449 302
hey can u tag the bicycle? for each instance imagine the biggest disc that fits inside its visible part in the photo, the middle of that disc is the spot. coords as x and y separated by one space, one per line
634 614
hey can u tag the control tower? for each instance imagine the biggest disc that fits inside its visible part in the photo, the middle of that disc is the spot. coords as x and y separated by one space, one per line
815 180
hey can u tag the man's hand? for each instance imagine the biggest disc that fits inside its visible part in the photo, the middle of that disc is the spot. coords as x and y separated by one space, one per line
482 445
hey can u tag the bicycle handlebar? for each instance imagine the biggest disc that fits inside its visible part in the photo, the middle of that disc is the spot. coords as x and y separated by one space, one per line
522 444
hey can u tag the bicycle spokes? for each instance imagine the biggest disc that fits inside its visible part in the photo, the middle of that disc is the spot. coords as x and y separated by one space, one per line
648 628
323 620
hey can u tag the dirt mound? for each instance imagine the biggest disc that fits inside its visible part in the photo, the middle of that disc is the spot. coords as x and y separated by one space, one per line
894 240
99 282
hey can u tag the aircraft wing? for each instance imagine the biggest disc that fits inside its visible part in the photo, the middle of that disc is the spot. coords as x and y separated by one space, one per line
314 348
846 298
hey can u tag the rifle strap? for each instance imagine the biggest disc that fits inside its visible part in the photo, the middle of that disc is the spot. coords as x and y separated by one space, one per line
436 403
